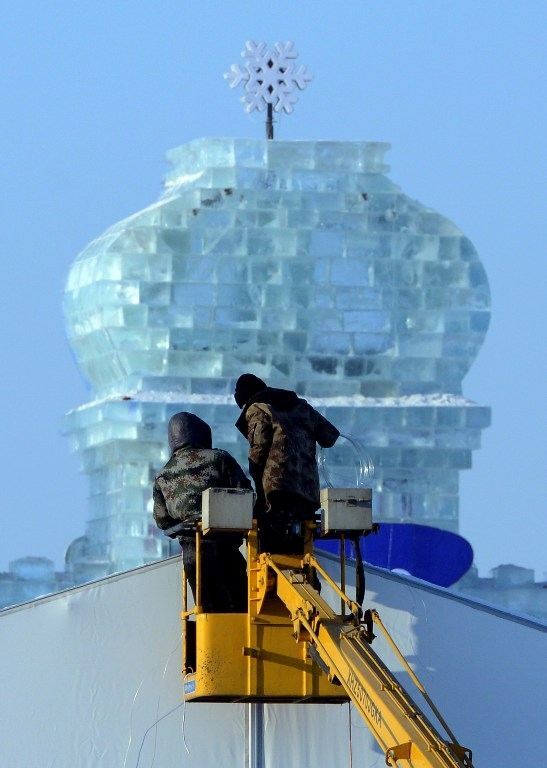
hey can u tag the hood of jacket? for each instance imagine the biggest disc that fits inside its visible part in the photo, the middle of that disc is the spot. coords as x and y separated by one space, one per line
186 430
279 399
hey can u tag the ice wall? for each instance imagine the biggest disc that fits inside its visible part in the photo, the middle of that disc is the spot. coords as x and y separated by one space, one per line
303 263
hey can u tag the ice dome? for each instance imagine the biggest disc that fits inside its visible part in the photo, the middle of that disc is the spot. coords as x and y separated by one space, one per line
299 261
304 264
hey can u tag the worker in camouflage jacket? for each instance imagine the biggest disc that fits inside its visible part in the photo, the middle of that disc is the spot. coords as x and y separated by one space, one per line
282 430
193 467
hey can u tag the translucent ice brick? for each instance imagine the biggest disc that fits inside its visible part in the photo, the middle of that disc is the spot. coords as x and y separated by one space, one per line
326 243
351 272
291 154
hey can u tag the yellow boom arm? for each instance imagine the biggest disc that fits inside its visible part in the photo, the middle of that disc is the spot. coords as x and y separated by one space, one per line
342 648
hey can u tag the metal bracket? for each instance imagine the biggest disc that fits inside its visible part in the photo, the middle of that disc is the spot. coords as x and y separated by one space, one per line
254 653
464 754
315 657
399 752
367 627
375 529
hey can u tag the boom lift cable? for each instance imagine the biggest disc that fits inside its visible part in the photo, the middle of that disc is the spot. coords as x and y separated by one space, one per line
413 676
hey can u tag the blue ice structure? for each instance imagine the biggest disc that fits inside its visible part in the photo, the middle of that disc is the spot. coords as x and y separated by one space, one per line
302 262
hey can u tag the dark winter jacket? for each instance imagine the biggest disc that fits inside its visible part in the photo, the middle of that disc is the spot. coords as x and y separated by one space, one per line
193 467
282 430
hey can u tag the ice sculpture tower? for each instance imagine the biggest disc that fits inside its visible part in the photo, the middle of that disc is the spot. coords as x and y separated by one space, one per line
303 263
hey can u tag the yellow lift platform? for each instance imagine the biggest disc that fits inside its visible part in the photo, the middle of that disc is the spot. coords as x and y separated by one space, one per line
291 646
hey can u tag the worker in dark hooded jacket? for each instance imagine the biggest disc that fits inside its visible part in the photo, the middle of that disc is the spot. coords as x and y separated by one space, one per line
193 467
282 430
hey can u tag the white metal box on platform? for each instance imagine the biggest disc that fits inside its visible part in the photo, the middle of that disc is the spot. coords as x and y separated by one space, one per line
227 509
346 509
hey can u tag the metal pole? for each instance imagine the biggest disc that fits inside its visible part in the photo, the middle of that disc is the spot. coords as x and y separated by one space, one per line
198 572
343 573
255 736
269 122
184 618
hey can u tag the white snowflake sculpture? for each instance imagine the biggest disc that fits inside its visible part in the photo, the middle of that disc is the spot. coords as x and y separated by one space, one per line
269 76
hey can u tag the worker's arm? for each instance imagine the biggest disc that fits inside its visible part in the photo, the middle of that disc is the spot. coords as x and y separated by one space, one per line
256 472
325 433
259 435
161 515
233 475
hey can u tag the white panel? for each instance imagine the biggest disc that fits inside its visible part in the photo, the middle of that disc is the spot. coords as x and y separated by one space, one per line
86 674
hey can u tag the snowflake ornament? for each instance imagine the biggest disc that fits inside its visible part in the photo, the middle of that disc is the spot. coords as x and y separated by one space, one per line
270 77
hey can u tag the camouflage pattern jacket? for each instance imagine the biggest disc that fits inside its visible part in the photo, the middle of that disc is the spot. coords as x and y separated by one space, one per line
189 471
282 430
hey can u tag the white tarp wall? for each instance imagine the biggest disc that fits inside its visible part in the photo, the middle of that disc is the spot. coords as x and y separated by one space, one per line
90 677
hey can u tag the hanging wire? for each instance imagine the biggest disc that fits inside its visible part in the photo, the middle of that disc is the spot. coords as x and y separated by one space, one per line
137 692
363 466
158 707
365 463
131 721
178 706
183 724
159 719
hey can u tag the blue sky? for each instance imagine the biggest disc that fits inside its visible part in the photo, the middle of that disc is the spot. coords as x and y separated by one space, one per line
93 95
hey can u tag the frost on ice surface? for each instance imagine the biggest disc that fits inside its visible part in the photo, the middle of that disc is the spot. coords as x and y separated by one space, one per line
269 76
343 401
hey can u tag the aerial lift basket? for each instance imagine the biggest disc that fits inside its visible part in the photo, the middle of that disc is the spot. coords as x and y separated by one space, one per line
253 656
